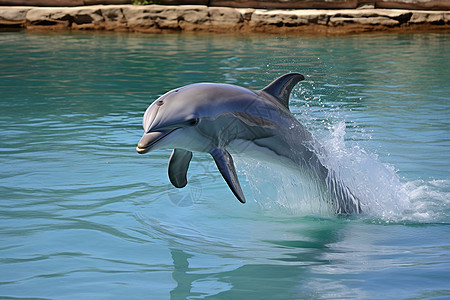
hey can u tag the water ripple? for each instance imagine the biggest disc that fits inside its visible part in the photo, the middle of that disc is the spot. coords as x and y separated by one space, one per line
82 215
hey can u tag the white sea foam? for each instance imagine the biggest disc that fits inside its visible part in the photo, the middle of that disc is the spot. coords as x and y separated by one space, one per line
430 201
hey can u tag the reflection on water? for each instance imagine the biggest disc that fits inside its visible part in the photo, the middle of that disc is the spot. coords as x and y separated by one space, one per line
287 276
83 216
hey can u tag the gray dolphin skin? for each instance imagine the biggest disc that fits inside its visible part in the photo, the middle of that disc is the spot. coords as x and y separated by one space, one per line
220 119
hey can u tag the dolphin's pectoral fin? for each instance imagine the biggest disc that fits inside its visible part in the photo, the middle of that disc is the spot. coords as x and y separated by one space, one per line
225 164
281 87
178 167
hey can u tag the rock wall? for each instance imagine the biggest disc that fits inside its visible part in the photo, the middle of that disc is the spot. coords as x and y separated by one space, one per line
272 4
160 18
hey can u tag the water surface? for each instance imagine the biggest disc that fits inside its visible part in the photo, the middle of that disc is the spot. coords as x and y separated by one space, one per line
82 215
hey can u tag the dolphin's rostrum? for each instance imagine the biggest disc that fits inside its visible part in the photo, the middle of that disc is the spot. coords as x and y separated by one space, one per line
222 118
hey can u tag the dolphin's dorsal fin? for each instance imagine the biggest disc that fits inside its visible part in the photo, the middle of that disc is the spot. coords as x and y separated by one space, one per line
178 167
225 164
281 87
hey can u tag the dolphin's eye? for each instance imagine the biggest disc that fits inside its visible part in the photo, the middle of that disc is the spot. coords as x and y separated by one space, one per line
159 102
193 122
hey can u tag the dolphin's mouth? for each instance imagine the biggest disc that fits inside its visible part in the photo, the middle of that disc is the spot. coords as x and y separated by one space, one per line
148 140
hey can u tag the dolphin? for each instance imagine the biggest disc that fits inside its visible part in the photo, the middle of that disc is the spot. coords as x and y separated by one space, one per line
220 119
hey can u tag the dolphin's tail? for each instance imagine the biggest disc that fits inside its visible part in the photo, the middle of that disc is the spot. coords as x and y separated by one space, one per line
343 200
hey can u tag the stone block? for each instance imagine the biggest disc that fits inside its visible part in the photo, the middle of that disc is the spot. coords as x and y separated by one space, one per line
195 14
288 18
379 21
14 14
225 17
112 13
144 17
432 17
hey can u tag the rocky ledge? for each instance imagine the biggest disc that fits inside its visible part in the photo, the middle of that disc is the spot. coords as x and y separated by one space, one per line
159 18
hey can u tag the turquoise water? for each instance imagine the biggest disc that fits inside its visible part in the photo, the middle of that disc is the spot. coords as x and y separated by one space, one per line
83 216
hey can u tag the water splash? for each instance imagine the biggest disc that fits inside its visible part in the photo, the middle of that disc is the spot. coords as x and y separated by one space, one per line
376 184
384 194
385 197
294 192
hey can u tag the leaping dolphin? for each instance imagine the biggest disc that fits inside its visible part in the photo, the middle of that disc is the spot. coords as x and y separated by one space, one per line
222 118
